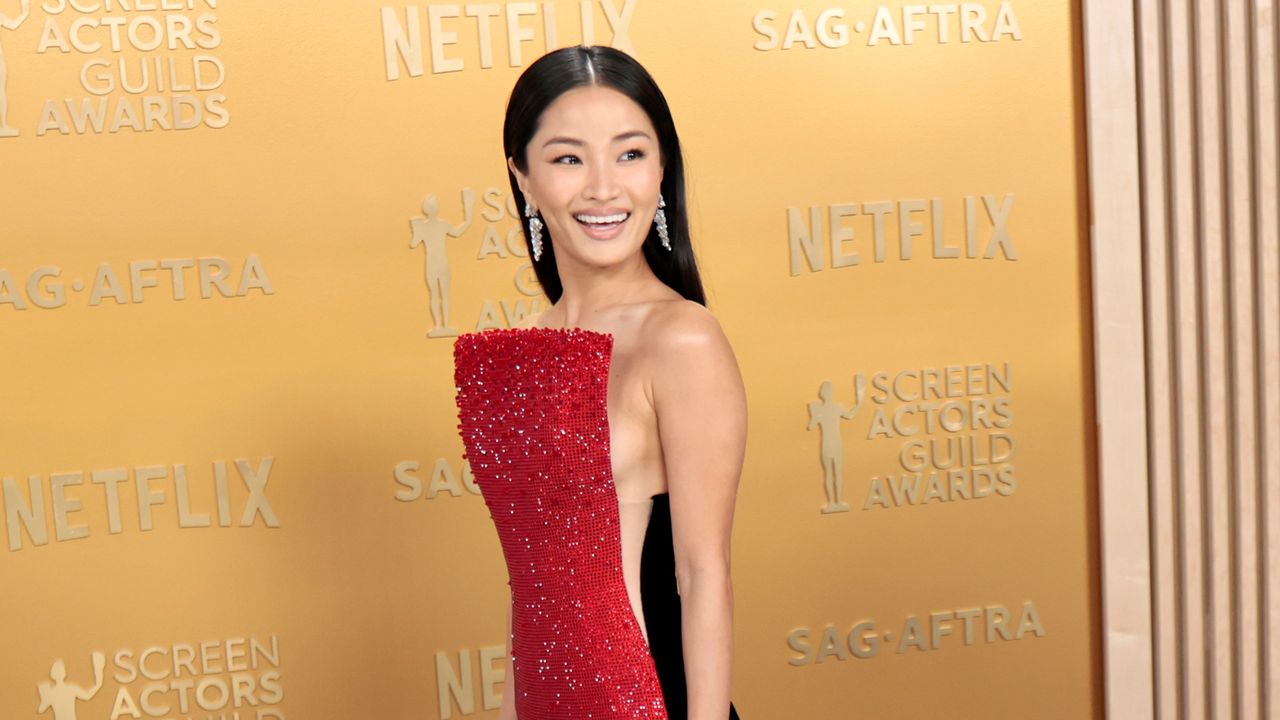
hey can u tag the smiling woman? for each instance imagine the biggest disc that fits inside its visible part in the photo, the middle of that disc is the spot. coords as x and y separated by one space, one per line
607 433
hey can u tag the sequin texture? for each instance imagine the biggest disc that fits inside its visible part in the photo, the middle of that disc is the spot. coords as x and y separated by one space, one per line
533 416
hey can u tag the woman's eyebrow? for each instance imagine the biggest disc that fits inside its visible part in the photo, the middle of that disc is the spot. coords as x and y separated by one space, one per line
563 141
631 134
560 139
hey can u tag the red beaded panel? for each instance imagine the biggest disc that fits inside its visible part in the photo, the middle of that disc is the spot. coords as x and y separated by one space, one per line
532 405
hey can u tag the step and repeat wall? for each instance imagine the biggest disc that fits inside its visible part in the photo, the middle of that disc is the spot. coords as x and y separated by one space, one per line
238 238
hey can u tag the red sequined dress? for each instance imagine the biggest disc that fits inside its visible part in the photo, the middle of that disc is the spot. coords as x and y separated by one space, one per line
532 406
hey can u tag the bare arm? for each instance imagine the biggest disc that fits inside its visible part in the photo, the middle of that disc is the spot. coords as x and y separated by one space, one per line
702 422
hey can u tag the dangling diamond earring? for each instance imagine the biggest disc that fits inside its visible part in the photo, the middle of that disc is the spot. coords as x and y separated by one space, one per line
535 230
660 219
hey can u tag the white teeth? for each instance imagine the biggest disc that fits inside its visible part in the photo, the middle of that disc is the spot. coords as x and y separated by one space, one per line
601 219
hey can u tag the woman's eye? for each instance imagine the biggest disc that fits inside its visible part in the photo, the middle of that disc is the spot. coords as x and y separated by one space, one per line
567 160
633 155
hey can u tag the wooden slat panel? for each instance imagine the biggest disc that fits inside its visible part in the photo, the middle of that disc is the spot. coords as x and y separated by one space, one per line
1213 349
1186 349
1266 28
1240 231
1115 181
1208 83
1166 648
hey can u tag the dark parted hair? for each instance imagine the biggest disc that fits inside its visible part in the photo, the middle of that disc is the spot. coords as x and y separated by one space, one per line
560 71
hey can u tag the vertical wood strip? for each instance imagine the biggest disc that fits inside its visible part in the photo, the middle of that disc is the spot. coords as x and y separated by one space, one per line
1267 190
1212 336
1182 136
1243 391
1115 182
1160 443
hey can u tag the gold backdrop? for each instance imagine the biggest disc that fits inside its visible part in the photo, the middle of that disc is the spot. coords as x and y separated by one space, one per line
239 237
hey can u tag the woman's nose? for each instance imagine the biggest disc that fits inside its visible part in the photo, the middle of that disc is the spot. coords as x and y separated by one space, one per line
601 181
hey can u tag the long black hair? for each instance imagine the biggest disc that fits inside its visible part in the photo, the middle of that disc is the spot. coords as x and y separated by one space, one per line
554 74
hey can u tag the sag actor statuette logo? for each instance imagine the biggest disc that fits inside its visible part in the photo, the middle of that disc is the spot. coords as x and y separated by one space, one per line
431 232
61 696
826 414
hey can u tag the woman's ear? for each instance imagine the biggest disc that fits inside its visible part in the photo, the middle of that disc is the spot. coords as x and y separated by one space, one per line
521 179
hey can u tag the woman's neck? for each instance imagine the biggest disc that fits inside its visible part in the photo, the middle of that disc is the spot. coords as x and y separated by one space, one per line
589 291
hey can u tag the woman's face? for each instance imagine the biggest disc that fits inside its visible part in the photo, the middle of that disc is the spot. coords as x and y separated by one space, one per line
594 172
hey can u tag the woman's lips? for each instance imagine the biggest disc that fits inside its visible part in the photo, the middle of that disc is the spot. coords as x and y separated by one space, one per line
598 231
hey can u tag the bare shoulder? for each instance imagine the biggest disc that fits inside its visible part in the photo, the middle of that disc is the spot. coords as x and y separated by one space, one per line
686 331
692 371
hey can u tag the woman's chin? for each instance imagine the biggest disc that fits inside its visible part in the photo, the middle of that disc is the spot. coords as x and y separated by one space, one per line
604 253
